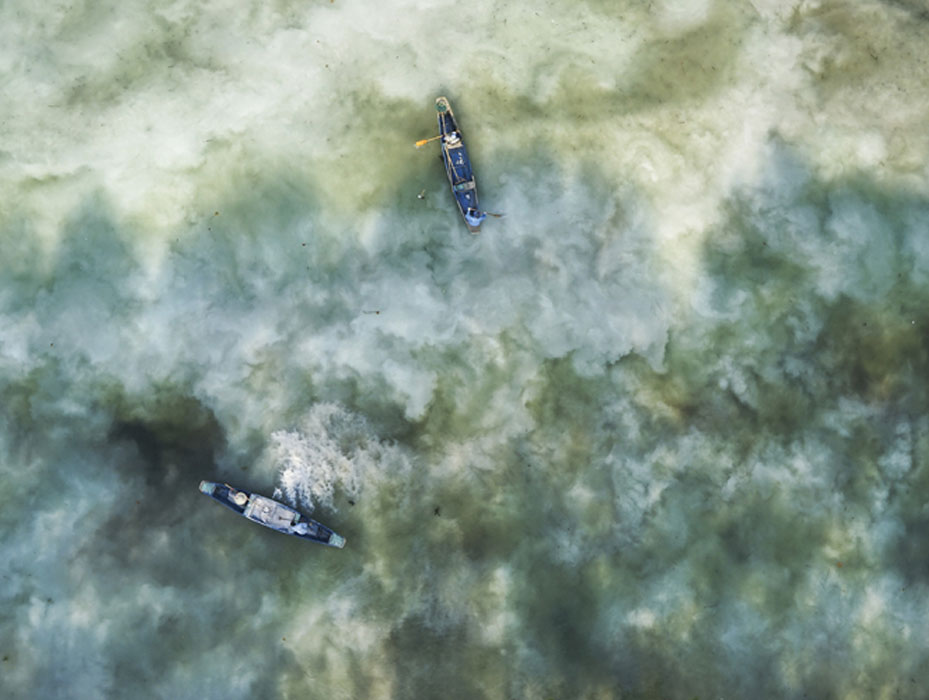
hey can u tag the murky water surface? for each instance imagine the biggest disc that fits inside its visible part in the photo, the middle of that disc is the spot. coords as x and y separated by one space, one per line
660 432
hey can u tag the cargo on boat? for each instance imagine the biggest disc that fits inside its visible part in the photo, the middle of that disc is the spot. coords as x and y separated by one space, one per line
270 513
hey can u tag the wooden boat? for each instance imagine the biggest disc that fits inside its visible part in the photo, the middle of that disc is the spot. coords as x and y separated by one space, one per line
458 167
270 513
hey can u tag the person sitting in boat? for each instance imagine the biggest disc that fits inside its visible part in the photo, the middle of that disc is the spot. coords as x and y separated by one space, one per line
452 138
300 528
474 216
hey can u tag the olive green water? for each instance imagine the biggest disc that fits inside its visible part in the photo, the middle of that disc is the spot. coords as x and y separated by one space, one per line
660 432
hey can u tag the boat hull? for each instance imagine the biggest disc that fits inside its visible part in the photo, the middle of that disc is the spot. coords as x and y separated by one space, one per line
272 514
457 163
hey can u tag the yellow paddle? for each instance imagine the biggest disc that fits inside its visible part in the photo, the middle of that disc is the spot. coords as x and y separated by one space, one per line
425 141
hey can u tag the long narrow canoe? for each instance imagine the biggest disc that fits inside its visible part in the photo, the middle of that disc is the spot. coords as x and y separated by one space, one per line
458 167
270 513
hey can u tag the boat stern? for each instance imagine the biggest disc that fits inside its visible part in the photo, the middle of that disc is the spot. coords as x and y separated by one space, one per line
207 487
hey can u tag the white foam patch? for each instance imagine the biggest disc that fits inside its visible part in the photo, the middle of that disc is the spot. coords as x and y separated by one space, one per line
333 450
898 459
678 17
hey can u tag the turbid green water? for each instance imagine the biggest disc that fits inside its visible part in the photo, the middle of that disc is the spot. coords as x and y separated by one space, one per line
660 432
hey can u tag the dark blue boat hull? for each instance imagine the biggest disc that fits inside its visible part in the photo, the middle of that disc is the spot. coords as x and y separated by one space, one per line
458 166
272 514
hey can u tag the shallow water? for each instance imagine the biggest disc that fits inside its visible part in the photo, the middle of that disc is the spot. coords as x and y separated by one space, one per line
660 432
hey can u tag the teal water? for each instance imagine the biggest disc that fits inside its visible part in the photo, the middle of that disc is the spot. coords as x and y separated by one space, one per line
660 432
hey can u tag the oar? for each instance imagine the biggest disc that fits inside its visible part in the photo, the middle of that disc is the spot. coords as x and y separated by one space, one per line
499 216
425 141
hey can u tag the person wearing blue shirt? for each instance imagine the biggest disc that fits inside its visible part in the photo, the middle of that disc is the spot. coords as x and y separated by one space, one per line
474 217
